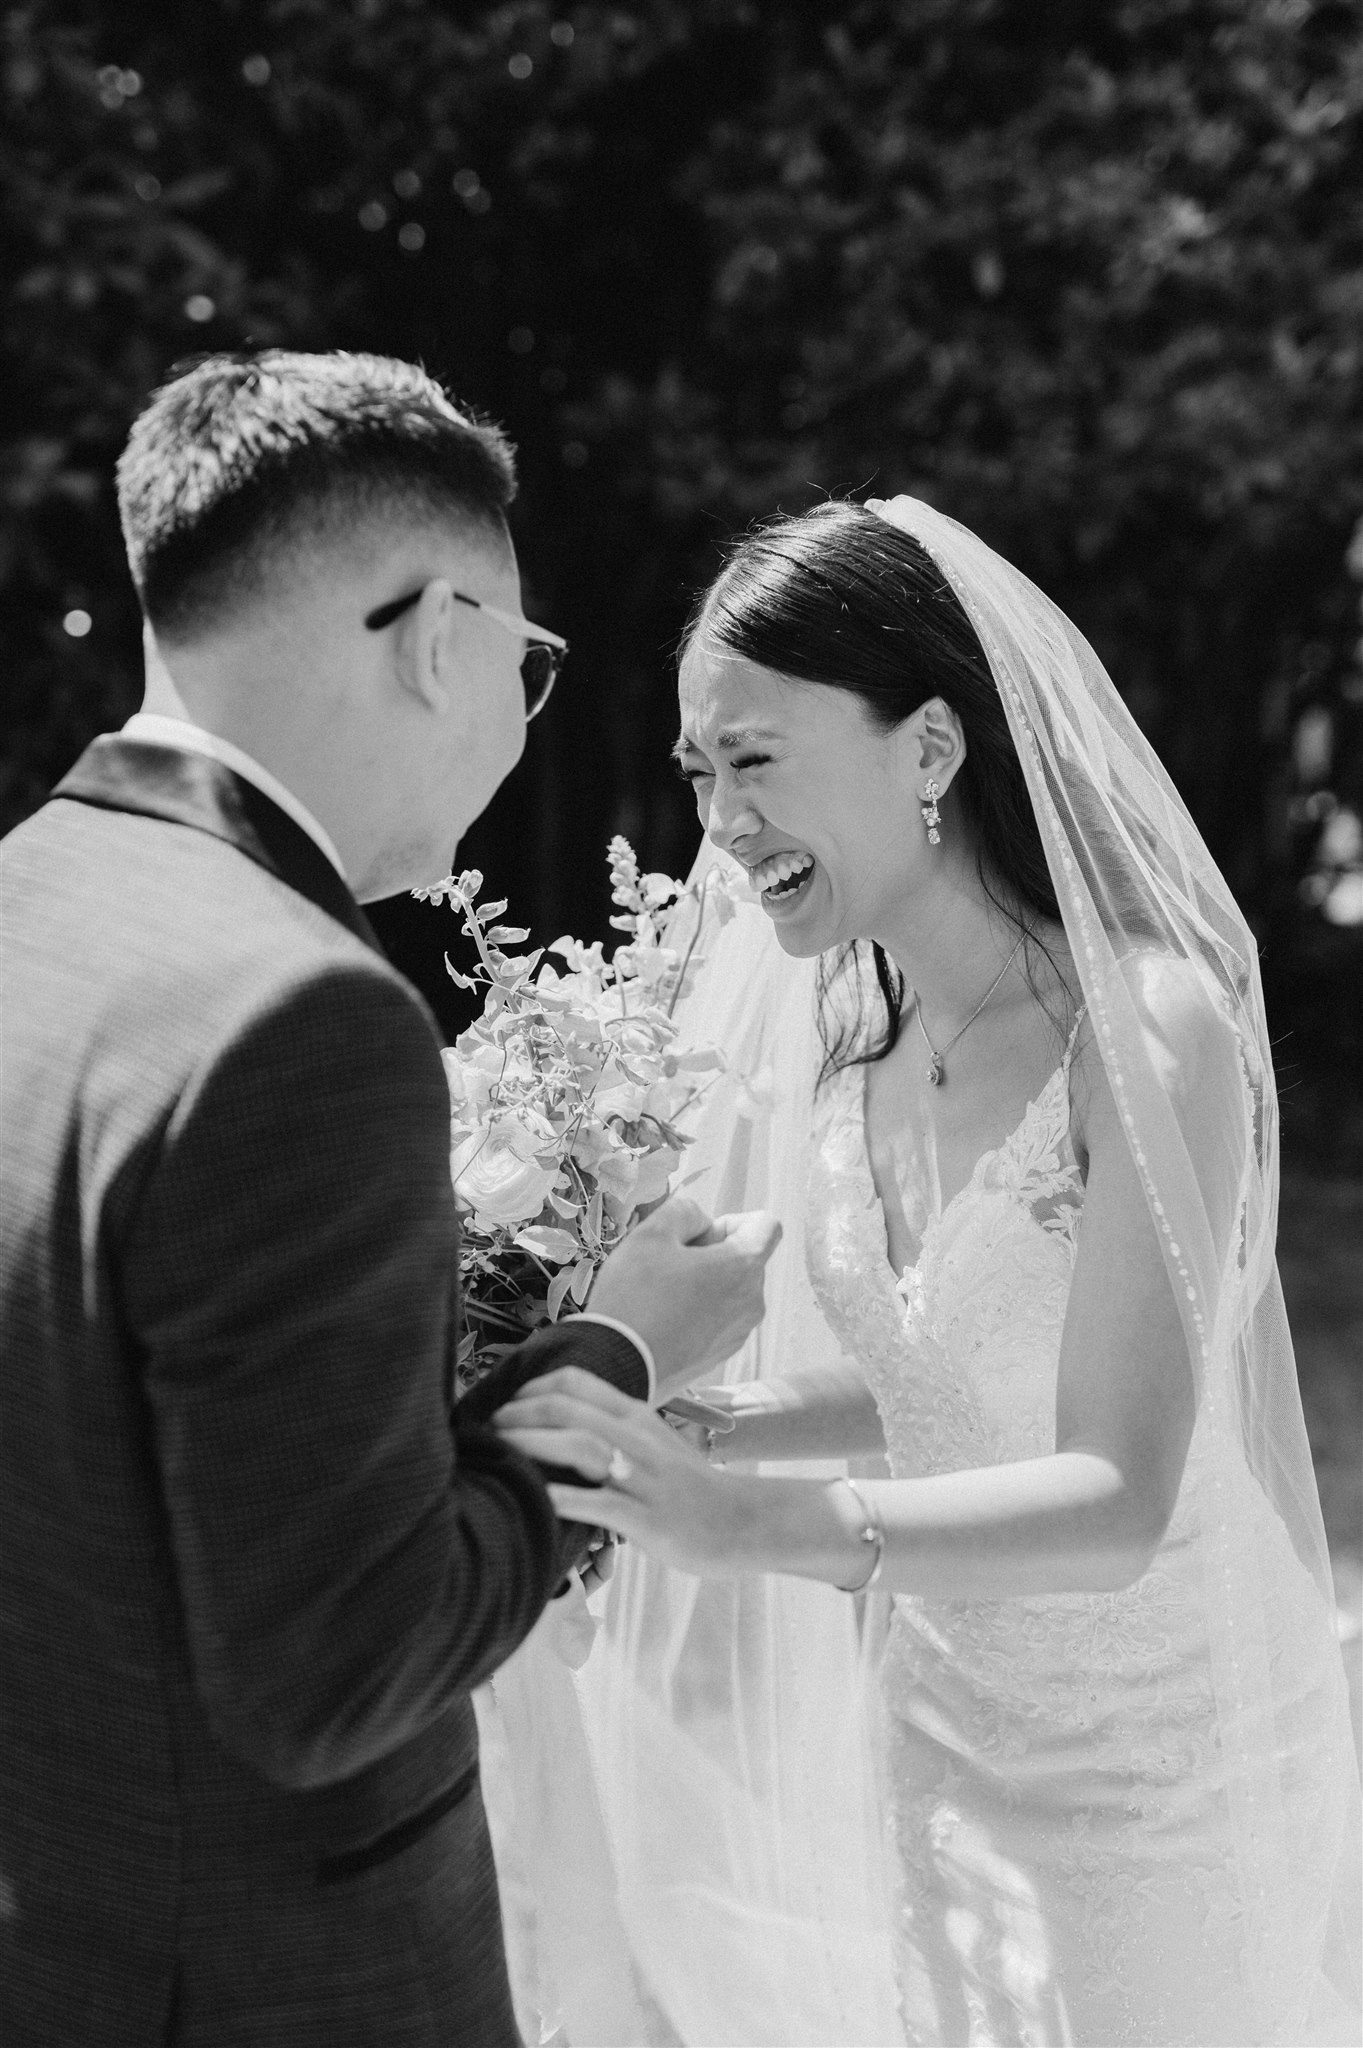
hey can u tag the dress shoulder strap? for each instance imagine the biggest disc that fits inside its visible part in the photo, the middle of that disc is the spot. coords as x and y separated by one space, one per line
1073 1039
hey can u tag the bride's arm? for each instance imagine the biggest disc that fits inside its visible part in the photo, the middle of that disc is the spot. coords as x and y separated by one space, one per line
1090 1516
826 1414
1087 1517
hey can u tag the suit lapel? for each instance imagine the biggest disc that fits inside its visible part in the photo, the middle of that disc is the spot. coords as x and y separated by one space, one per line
188 788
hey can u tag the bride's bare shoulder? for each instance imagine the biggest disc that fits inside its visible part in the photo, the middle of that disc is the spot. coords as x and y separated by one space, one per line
1163 1011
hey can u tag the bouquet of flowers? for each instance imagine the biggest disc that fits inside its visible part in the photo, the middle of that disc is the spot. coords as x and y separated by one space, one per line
565 1096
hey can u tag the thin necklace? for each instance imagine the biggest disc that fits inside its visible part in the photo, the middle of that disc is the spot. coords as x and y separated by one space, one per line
937 1072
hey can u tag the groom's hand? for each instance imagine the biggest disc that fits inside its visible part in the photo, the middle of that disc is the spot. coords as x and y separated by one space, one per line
690 1286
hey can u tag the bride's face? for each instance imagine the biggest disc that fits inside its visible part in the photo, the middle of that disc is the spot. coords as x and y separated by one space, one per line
798 784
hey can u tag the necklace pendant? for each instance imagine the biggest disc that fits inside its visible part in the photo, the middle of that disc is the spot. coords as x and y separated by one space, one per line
935 1072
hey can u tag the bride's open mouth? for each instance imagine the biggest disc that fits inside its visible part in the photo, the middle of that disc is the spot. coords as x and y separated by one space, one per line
783 879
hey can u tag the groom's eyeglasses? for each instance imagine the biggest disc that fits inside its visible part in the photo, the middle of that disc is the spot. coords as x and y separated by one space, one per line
544 653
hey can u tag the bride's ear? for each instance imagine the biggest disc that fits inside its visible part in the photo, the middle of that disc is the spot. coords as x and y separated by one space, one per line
938 742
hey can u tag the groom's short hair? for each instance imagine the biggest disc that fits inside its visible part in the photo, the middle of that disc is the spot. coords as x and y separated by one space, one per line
238 460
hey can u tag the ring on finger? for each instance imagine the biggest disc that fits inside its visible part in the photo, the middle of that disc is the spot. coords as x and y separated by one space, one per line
619 1468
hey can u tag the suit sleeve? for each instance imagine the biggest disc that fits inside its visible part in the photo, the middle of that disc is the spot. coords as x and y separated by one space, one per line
347 1565
593 1347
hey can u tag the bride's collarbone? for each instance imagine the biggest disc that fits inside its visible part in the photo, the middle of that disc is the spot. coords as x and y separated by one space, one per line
943 1131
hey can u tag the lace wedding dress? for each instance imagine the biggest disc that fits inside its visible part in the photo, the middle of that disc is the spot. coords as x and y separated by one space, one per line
1060 1820
761 1811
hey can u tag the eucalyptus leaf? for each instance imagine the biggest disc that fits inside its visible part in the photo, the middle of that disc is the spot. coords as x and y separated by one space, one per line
558 1290
581 1280
547 1243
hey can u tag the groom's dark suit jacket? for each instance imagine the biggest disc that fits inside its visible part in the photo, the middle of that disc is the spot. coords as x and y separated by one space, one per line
249 1569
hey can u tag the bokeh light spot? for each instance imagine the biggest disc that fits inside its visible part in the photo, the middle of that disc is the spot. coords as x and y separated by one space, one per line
199 307
117 85
77 623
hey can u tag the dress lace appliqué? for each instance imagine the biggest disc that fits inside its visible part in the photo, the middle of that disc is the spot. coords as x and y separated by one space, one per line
1059 1815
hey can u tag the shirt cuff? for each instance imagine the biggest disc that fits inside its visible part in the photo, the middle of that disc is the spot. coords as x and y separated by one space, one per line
591 1315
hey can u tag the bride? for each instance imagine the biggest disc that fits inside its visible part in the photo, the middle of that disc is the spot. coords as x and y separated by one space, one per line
1073 1763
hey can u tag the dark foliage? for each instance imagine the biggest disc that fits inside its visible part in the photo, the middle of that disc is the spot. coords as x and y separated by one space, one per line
1089 276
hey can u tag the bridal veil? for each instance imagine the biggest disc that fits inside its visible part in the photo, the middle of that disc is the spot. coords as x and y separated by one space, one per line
718 1795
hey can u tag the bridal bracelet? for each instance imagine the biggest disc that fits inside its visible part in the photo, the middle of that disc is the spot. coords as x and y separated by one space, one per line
872 1534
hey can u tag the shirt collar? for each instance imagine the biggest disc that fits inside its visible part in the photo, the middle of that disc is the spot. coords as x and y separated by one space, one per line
178 732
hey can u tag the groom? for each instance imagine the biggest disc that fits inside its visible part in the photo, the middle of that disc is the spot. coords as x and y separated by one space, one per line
251 1564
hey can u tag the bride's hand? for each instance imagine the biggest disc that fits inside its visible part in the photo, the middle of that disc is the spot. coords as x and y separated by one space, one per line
654 1487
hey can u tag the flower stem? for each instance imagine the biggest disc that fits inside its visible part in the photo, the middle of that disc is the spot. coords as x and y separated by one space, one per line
686 962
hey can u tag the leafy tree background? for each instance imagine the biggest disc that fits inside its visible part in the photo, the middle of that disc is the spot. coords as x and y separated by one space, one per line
1089 276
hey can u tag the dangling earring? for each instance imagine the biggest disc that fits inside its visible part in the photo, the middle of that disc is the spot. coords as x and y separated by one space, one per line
932 817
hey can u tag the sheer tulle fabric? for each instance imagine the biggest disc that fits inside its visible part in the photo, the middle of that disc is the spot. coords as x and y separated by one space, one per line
735 1731
734 1826
1170 973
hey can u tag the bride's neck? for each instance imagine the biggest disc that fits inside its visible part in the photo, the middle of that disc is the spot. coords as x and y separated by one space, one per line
949 943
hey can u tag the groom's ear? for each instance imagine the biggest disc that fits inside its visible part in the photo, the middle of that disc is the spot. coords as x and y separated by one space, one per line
424 660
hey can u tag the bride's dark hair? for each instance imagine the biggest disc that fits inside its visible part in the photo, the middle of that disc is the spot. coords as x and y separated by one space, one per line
838 596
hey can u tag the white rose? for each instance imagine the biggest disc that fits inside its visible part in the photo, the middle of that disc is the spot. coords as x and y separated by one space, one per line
492 1178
